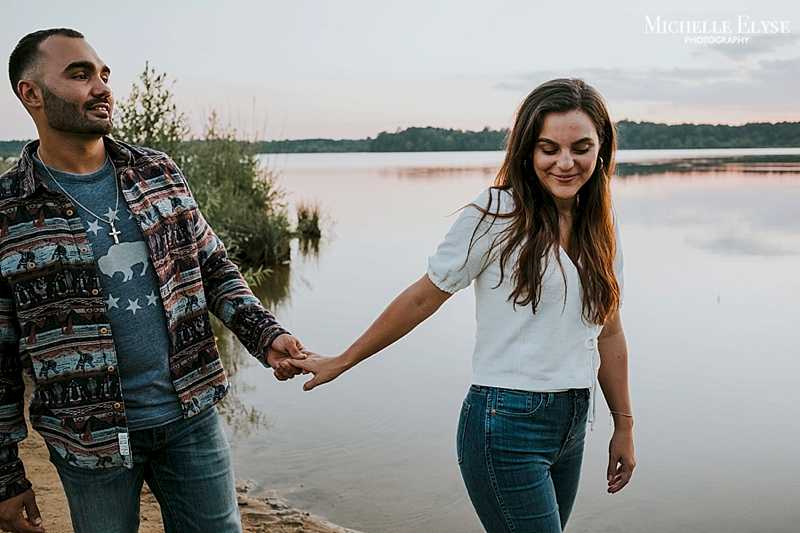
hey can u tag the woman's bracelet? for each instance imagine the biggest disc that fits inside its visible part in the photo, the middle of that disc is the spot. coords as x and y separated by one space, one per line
620 413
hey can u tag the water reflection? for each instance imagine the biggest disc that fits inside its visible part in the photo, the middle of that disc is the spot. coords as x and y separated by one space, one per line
629 167
724 212
719 197
242 418
309 247
713 353
432 172
752 164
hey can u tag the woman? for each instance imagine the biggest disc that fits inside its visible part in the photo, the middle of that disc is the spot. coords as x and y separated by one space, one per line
542 248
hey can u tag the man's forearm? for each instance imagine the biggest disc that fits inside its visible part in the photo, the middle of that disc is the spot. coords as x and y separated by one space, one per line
230 298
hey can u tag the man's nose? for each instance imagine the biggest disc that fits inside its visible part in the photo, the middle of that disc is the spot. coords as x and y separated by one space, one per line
101 89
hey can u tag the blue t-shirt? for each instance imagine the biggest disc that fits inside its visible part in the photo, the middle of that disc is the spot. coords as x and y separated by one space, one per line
133 303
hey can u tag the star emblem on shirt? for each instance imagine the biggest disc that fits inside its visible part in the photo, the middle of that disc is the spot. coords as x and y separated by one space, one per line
152 298
94 227
111 214
111 303
133 306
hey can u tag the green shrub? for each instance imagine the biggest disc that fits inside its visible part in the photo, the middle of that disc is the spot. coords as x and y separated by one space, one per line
149 117
238 197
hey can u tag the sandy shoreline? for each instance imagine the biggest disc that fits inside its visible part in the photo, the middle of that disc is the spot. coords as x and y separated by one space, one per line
265 513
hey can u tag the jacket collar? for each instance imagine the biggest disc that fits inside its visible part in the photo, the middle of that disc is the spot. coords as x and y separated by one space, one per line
122 154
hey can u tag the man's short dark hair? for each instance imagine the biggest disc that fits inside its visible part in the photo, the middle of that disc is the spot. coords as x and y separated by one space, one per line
27 51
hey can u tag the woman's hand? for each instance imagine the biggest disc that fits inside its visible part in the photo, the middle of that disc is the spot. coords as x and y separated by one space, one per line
621 459
325 369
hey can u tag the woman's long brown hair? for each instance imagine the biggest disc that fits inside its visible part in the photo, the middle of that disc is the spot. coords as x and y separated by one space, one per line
533 226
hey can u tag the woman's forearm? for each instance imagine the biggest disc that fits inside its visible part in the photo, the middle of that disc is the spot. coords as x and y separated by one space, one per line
404 313
613 377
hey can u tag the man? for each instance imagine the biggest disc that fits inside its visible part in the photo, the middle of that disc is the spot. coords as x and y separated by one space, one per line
107 273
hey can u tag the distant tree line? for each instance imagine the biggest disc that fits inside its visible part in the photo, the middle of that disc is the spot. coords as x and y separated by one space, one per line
636 135
632 135
438 140
312 146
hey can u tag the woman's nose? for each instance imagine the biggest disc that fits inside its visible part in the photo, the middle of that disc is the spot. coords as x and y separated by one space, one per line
565 162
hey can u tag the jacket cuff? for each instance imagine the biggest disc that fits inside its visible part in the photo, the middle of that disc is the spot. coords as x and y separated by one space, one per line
12 480
267 338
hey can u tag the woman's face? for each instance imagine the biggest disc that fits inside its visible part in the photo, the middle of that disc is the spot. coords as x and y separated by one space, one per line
565 154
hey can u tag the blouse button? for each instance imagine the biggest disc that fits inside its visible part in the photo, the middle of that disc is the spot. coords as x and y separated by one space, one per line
591 343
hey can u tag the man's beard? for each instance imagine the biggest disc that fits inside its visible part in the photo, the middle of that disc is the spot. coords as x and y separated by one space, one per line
67 116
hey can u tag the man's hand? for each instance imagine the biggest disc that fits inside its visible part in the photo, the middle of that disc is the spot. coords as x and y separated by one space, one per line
284 348
11 514
288 345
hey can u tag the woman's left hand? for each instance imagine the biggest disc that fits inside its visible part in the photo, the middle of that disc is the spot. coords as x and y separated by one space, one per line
621 460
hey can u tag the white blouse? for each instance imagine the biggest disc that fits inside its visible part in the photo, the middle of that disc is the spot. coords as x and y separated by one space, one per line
552 350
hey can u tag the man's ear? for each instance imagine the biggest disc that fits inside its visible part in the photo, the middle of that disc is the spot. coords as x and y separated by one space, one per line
30 93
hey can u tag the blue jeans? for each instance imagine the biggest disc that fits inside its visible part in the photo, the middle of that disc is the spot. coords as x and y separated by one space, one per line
520 456
185 463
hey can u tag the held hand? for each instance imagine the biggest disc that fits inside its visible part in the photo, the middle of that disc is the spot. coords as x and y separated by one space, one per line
325 369
281 367
288 345
621 460
11 514
284 348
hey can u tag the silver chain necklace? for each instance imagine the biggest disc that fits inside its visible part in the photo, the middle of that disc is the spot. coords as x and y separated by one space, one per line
110 220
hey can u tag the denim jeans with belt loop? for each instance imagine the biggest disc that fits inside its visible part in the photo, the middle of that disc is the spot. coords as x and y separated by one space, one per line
520 455
186 464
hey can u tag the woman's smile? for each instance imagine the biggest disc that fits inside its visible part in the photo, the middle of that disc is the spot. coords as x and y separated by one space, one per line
565 178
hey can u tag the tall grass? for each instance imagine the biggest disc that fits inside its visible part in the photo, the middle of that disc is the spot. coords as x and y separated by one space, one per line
308 221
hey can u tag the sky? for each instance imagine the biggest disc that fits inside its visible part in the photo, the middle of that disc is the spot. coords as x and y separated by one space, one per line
353 68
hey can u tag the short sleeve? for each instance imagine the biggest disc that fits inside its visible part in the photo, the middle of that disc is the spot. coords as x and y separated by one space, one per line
455 263
618 260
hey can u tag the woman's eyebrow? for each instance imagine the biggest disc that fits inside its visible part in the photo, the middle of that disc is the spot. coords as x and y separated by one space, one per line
579 141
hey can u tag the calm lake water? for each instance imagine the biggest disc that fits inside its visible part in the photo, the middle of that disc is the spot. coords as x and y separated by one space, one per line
712 257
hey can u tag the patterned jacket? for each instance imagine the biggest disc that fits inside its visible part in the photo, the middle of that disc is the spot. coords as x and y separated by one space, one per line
52 307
